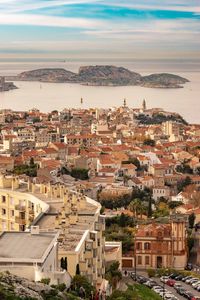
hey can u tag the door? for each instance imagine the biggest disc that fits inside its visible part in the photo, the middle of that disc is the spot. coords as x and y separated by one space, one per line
159 261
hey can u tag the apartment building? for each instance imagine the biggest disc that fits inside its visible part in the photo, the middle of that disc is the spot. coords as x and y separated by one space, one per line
54 208
32 255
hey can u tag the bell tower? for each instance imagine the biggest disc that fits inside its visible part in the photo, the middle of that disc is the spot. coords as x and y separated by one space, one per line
144 106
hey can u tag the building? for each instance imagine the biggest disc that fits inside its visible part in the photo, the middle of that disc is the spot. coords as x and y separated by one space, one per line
32 255
162 245
55 208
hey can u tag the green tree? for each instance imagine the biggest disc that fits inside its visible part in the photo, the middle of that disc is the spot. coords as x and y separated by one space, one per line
149 211
134 206
190 243
191 220
113 274
79 281
183 183
78 269
66 265
62 263
149 142
79 173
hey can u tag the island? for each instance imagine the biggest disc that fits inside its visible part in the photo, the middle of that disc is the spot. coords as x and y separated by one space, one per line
102 75
6 86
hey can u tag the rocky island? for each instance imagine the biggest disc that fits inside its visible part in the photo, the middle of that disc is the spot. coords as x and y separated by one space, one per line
103 75
6 86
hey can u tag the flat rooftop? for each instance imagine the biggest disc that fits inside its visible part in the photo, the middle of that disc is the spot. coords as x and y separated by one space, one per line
24 245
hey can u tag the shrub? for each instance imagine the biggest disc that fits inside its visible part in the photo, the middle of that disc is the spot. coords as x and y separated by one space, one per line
45 280
151 272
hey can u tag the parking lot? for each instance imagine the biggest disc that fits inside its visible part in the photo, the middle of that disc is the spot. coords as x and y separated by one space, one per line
190 293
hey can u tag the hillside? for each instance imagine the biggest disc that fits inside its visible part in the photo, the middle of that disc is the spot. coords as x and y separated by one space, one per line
103 75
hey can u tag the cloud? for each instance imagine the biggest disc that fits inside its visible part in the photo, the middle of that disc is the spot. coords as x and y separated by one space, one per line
51 21
14 6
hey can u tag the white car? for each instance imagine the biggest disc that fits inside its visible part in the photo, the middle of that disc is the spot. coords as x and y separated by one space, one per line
164 279
169 296
195 283
157 289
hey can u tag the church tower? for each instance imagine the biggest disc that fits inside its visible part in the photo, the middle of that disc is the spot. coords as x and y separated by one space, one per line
144 106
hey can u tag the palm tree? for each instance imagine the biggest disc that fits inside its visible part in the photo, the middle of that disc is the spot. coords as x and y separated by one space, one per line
142 209
134 206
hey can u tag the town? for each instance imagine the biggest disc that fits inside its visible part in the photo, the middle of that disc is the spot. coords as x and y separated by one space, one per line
96 198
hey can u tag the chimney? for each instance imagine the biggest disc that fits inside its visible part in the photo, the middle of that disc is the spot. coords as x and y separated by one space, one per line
35 230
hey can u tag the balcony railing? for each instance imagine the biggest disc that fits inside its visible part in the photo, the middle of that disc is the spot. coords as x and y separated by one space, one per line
20 207
20 221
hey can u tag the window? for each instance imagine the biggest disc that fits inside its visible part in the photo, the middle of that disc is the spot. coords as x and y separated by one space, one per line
3 211
12 213
12 226
88 246
147 246
12 201
147 260
3 199
4 227
139 260
139 246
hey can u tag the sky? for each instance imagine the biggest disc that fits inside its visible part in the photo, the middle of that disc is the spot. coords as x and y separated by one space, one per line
139 29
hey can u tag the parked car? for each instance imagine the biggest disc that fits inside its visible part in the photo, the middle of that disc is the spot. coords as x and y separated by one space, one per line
170 296
198 288
181 291
141 279
173 275
179 277
164 279
194 280
188 295
150 283
170 282
189 280
196 283
177 286
186 278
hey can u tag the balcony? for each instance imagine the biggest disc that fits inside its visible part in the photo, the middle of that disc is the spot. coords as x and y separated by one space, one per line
31 218
20 221
31 211
20 207
83 266
88 254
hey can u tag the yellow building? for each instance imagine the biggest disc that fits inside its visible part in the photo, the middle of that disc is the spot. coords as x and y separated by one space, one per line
55 208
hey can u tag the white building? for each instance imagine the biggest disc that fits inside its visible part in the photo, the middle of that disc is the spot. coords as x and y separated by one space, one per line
32 255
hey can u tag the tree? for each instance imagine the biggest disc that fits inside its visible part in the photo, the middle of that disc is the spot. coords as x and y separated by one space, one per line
78 269
149 142
32 164
80 281
183 183
190 243
113 274
62 263
191 220
149 211
80 173
66 263
134 206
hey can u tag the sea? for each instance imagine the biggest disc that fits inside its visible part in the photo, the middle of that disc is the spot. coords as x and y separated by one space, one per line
50 96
